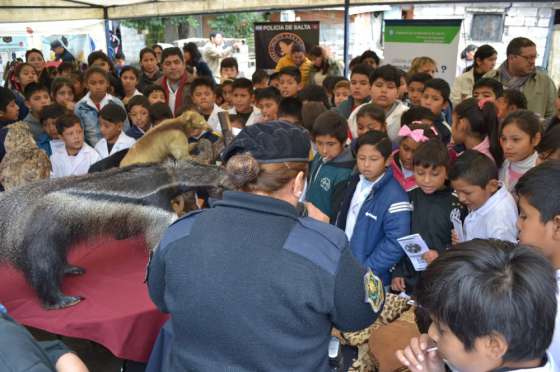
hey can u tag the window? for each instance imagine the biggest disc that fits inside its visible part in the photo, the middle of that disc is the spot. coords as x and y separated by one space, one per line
487 27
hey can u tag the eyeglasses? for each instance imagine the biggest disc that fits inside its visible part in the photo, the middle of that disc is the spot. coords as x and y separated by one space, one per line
529 58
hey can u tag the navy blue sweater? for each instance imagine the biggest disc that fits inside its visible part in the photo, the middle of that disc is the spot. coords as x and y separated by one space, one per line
252 286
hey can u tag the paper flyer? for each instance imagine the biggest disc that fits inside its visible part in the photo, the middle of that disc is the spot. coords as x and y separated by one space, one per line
414 247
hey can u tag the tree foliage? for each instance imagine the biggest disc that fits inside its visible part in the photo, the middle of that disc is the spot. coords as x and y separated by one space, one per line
236 25
154 27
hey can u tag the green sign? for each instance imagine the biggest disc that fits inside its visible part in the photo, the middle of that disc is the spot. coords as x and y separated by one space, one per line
420 34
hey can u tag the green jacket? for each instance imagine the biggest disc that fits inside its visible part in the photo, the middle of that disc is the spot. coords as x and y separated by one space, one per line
539 91
335 69
326 177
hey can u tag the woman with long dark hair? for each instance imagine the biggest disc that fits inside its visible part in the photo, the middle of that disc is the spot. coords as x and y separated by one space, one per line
322 67
193 58
484 61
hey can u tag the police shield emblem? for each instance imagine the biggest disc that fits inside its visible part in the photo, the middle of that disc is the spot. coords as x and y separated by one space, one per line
374 292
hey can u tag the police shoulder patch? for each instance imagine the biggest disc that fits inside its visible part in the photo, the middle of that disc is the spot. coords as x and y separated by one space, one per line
374 292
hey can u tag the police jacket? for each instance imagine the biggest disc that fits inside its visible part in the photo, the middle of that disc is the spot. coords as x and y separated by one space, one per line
251 286
383 218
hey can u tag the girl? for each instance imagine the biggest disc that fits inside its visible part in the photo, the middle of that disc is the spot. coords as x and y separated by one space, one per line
139 113
475 126
371 117
412 135
24 75
193 58
549 147
150 72
35 58
484 61
62 92
519 136
129 80
100 59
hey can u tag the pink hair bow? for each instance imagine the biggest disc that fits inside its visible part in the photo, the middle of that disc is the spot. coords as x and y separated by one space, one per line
483 101
417 134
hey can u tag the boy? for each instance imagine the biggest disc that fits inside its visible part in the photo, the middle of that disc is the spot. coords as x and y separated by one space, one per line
290 81
242 89
385 82
360 89
492 209
229 70
50 140
489 89
260 79
416 84
436 98
227 92
332 164
274 80
139 113
433 202
289 110
539 222
76 157
268 100
204 99
36 97
155 93
9 110
510 101
159 112
97 97
341 92
111 119
491 308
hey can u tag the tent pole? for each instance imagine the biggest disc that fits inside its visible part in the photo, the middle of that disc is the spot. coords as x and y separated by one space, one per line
346 34
106 20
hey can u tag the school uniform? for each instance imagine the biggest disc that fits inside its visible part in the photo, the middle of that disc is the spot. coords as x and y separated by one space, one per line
254 118
494 219
511 172
49 145
64 165
484 148
123 142
213 119
392 118
135 132
34 126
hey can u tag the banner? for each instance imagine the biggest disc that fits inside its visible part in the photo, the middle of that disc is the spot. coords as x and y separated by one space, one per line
273 40
438 39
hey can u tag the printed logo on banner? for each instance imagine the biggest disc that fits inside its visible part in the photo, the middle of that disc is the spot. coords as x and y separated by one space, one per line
280 45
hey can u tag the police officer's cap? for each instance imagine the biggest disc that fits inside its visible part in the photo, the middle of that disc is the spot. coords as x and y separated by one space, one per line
272 142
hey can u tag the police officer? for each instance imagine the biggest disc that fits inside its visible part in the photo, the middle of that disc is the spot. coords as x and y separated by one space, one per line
251 285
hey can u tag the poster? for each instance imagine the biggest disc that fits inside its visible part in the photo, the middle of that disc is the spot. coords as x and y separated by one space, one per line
80 46
274 39
438 39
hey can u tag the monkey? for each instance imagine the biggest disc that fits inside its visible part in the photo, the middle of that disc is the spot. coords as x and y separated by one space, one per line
41 221
167 139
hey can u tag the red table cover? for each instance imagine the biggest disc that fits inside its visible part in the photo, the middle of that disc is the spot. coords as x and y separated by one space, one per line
117 311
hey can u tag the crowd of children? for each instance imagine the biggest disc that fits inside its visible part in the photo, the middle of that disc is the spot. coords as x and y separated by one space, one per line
391 156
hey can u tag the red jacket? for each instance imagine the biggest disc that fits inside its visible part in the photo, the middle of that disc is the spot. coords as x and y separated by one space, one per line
407 183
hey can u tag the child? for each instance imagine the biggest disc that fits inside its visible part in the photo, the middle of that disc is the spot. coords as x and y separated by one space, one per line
229 70
436 98
88 107
539 222
549 147
62 92
159 112
511 101
314 93
491 307
25 74
36 97
227 91
341 92
333 163
204 99
150 71
492 209
242 89
129 81
77 79
310 111
274 80
268 100
520 134
416 84
289 110
9 110
360 89
76 157
50 140
139 113
290 81
375 211
260 79
489 89
370 117
155 93
433 202
475 126
111 119
412 133
385 82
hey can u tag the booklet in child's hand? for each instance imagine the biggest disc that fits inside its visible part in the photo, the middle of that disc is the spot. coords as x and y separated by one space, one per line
414 247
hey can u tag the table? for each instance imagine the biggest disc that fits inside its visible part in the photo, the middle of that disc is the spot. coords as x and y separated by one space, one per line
117 311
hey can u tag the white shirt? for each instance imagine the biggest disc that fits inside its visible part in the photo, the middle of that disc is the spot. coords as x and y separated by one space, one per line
255 117
107 99
64 165
213 119
56 145
393 121
554 348
363 189
511 172
494 219
123 142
